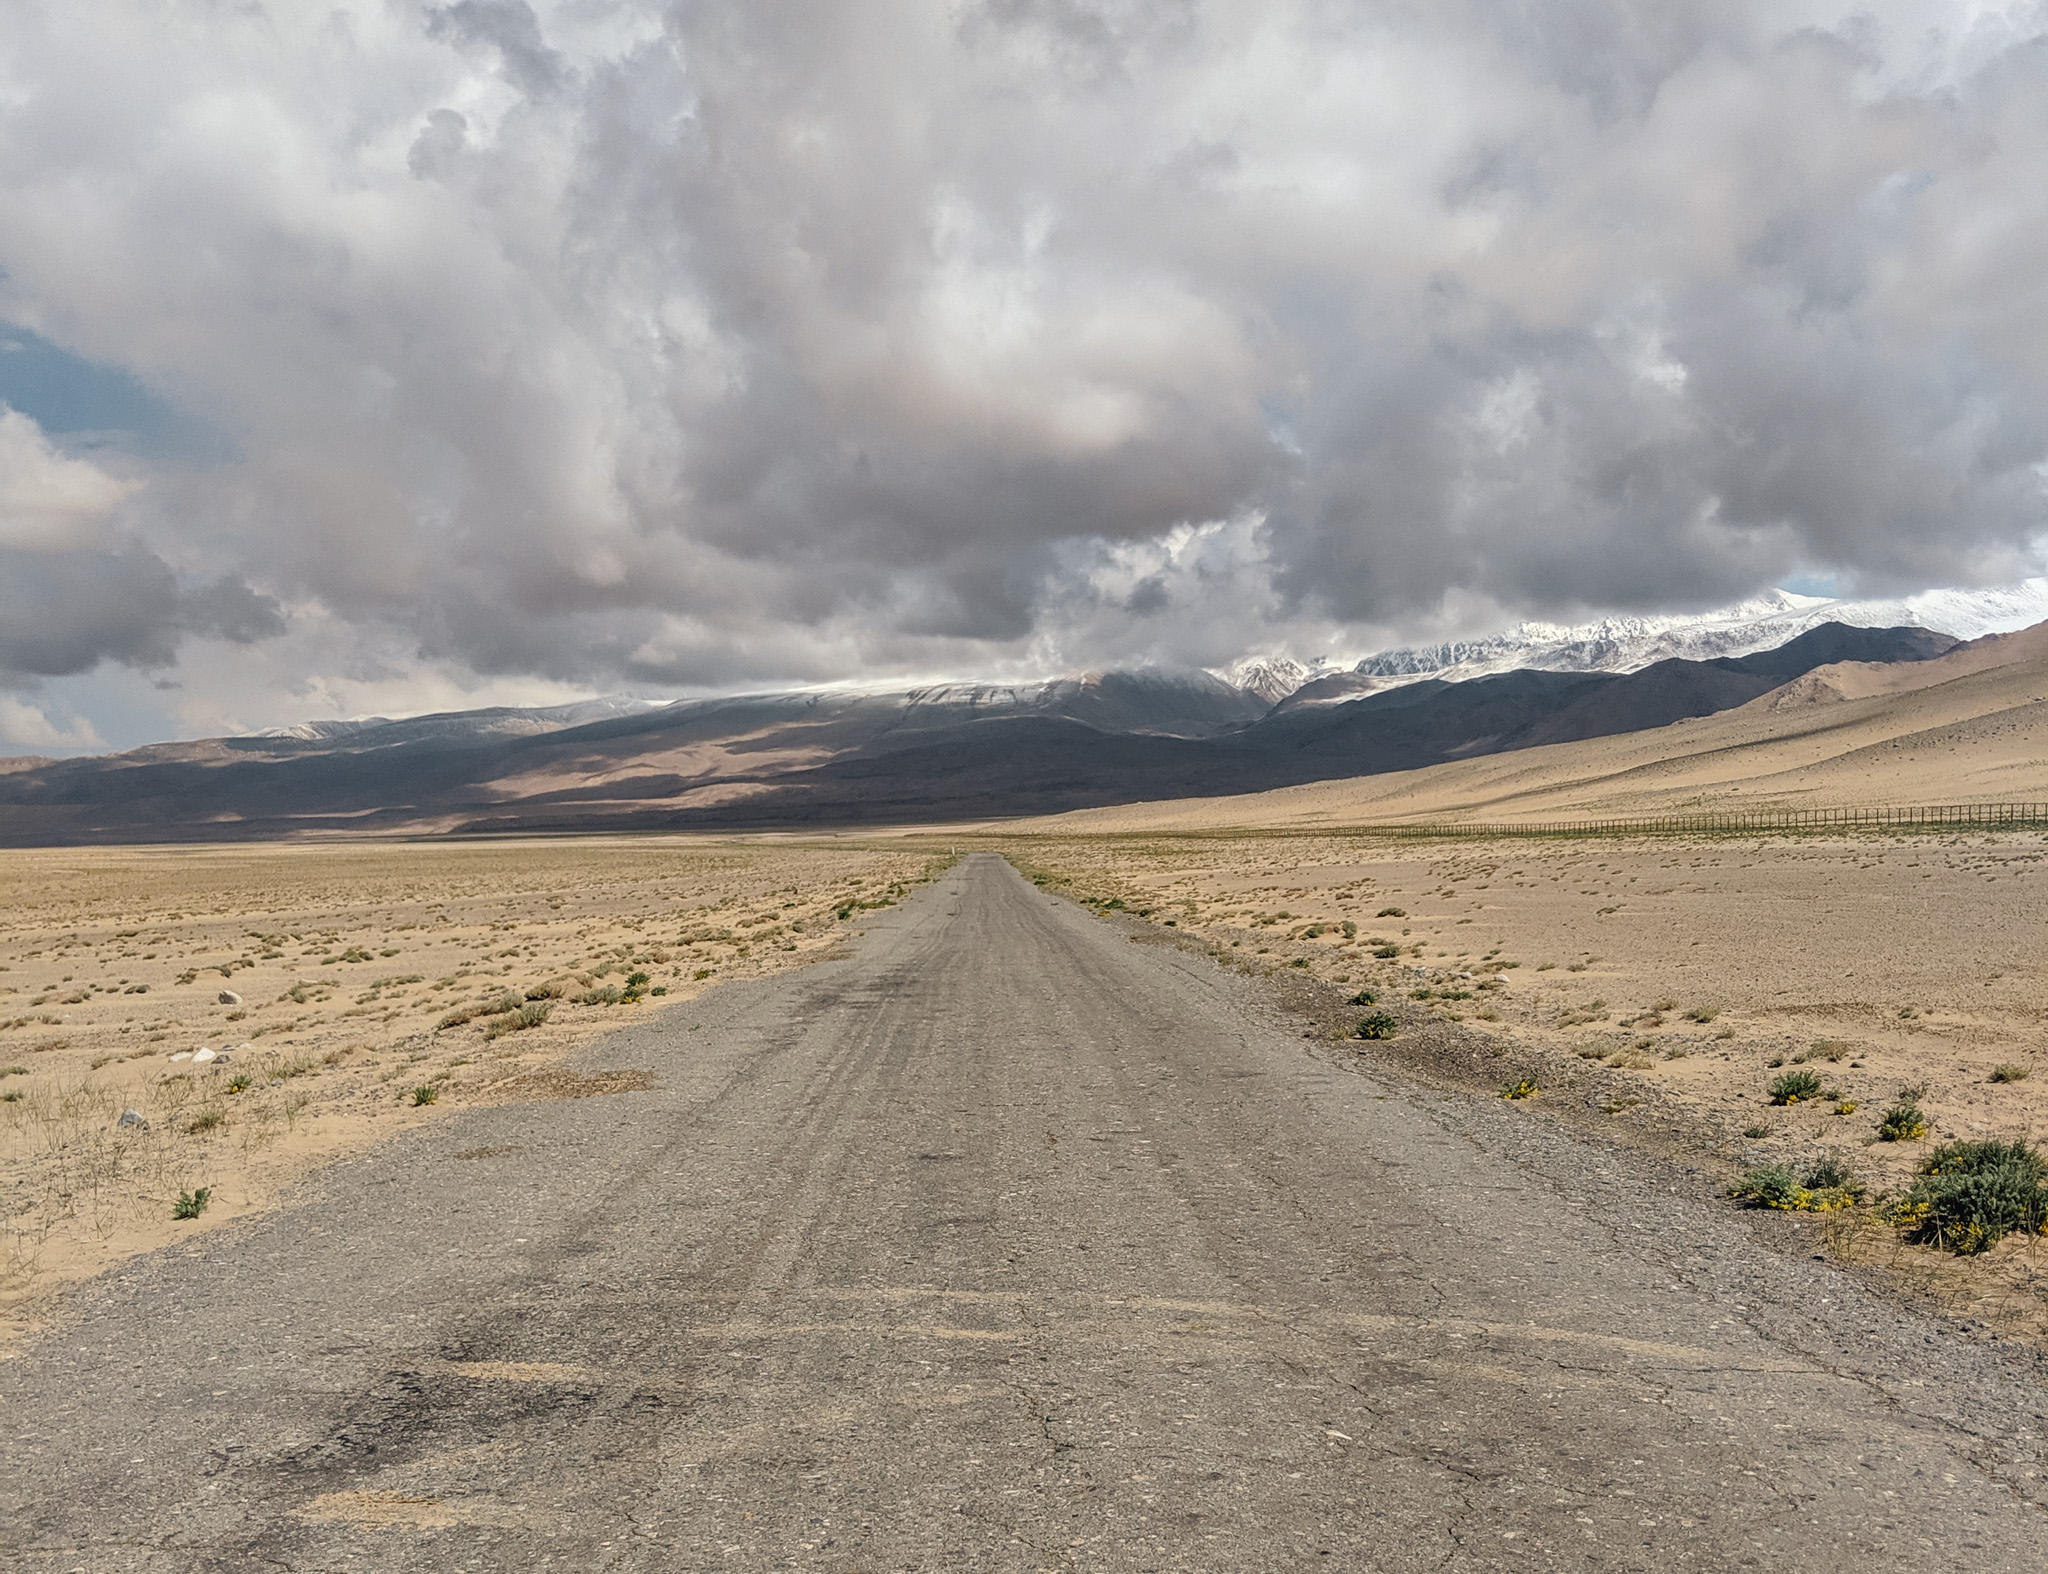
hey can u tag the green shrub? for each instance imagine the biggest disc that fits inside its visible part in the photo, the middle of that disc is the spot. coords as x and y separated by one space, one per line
1827 1186
1392 912
1756 1133
1768 1186
191 1204
1386 953
1794 1086
1520 1088
424 1094
1365 997
1971 1195
1903 1122
241 1082
1378 1025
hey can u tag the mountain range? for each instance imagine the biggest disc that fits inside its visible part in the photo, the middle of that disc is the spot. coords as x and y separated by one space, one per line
945 753
1628 644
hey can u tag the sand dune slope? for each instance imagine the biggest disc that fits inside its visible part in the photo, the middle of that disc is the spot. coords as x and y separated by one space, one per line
1967 727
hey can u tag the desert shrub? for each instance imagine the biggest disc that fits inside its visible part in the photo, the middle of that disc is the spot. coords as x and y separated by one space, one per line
488 1008
1703 1014
546 991
2009 1072
207 1120
1831 1049
424 1094
1903 1122
1378 1025
1756 1133
1768 1186
532 1014
1794 1086
1386 953
605 995
1971 1195
191 1204
1392 912
1828 1185
1520 1088
1365 997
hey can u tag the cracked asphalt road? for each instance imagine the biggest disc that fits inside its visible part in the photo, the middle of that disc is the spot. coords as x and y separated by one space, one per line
1005 1244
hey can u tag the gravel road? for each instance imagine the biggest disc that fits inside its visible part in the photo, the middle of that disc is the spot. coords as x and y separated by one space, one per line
1007 1243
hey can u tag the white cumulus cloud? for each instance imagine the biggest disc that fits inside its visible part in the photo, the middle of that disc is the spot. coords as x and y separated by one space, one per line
605 342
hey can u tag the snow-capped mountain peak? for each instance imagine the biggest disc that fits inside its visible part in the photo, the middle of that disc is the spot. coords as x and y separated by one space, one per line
1273 678
1629 643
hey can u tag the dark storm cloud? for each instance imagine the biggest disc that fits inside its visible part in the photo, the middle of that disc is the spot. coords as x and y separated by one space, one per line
719 342
65 612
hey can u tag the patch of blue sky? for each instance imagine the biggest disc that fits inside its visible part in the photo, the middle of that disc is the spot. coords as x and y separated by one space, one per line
125 708
84 404
1815 584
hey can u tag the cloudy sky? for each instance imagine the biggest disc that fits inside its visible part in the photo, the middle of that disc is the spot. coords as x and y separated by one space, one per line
373 355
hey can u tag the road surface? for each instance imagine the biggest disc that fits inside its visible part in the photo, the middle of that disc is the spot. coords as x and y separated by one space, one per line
1008 1244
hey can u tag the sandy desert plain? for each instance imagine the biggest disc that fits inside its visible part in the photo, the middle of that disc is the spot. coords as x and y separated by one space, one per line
1654 985
365 973
1659 984
1664 983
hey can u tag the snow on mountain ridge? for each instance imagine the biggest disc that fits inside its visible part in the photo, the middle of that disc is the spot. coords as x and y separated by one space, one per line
1628 643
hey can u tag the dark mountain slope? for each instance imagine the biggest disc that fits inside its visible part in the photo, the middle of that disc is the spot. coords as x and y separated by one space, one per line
951 752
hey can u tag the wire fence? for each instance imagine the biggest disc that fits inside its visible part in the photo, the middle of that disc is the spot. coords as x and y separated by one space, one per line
1924 817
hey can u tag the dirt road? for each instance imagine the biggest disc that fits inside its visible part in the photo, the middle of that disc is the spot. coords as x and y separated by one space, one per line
1006 1244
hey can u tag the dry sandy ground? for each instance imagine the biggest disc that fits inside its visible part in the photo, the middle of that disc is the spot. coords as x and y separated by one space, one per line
347 959
1676 975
